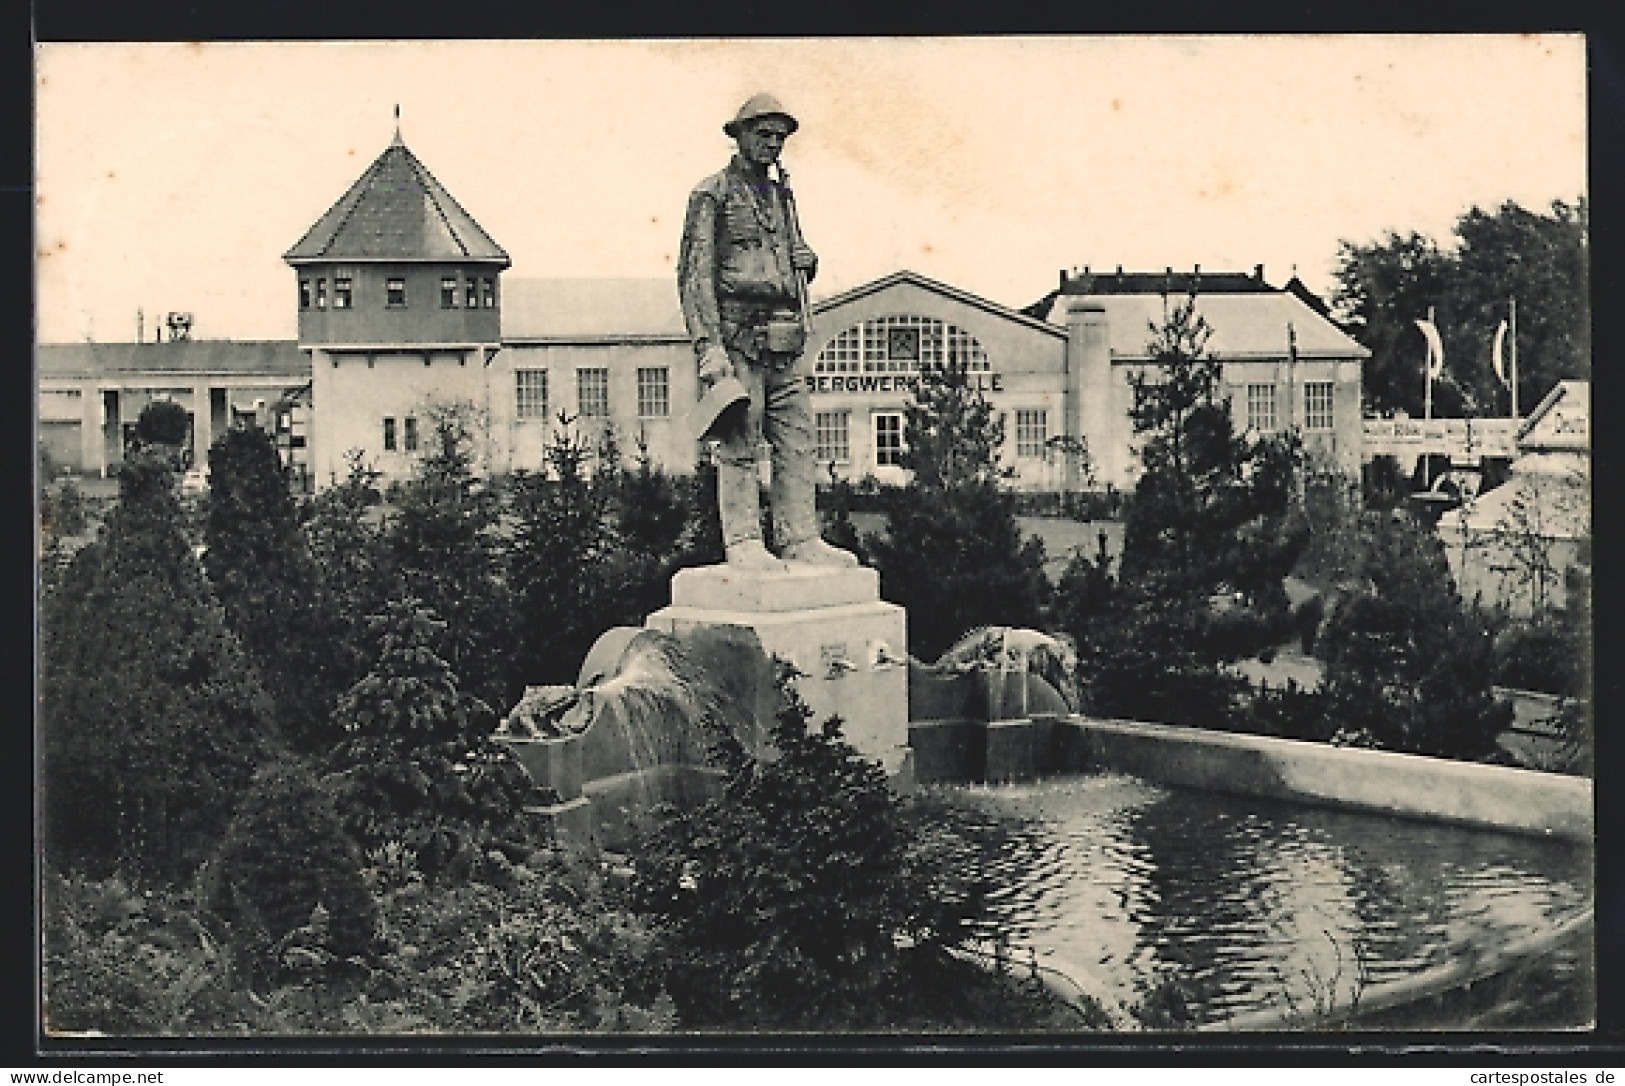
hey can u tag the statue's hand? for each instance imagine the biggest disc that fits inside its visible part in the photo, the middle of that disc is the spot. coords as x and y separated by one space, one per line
804 260
715 365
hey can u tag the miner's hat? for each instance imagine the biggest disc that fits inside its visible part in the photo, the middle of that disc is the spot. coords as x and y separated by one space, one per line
723 398
760 105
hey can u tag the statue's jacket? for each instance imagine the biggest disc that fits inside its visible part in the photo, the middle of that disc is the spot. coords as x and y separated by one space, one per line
734 270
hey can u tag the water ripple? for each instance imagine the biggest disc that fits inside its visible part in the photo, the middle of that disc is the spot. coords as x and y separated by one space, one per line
1248 903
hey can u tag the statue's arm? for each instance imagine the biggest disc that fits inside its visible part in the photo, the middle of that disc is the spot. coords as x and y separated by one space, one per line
697 272
802 258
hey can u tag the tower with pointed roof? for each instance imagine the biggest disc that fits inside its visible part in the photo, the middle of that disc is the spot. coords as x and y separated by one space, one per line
399 298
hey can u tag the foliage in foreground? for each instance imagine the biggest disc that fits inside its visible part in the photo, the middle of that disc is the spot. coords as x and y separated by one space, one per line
799 898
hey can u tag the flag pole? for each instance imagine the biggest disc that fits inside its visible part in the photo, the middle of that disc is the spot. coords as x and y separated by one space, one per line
1514 332
1427 377
1427 408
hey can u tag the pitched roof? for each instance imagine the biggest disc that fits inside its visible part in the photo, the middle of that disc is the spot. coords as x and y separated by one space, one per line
592 309
925 283
396 210
1252 325
1169 281
276 358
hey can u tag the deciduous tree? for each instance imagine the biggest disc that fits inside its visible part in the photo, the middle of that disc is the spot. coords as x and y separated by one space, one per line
1541 259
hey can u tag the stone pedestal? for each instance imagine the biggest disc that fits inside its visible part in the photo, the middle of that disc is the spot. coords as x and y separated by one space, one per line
833 626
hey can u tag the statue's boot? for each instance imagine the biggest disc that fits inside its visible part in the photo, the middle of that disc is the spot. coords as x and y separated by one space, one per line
750 554
813 551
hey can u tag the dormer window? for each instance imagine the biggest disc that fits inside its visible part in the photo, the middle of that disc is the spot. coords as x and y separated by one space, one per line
488 293
321 294
473 296
304 294
395 293
343 292
448 292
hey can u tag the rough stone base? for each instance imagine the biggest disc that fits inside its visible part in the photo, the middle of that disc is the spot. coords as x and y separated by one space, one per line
830 623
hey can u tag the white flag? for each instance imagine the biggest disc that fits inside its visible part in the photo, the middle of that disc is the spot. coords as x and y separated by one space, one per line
1435 348
1495 354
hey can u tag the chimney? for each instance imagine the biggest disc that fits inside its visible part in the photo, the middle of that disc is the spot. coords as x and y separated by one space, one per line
1087 395
1258 272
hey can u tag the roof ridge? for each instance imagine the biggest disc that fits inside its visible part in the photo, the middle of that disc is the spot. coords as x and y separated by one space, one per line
431 184
359 190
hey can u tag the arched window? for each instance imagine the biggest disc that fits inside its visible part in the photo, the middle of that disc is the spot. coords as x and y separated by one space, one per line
900 344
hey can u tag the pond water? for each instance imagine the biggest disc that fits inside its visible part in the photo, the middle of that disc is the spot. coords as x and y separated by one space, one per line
1191 907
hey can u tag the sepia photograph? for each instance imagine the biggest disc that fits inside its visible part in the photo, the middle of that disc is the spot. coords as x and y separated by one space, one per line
1078 538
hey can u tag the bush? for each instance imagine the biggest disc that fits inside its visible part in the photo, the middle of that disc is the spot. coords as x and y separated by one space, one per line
284 857
163 422
1407 666
1290 712
544 946
1543 655
956 559
118 960
788 902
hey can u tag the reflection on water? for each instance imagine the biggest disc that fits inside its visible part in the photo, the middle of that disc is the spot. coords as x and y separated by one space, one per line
1245 904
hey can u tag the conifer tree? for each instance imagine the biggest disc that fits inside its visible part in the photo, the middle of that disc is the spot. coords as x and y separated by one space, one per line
444 539
358 571
1408 667
561 545
263 573
1210 509
416 764
152 722
953 553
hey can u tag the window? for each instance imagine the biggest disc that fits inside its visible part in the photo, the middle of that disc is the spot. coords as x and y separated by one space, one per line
901 344
1032 432
592 393
1261 408
1317 405
488 293
654 392
833 435
448 292
530 388
321 294
410 433
888 439
395 293
304 294
343 292
471 298
389 434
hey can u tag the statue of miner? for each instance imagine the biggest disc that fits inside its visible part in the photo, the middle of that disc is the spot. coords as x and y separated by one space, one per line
742 274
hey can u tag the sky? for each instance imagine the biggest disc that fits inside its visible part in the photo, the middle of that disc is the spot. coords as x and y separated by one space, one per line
173 176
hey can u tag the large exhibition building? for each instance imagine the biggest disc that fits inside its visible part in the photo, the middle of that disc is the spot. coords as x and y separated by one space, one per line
404 304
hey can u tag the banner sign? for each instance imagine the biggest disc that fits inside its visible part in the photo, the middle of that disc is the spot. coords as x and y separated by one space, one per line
1456 437
891 383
